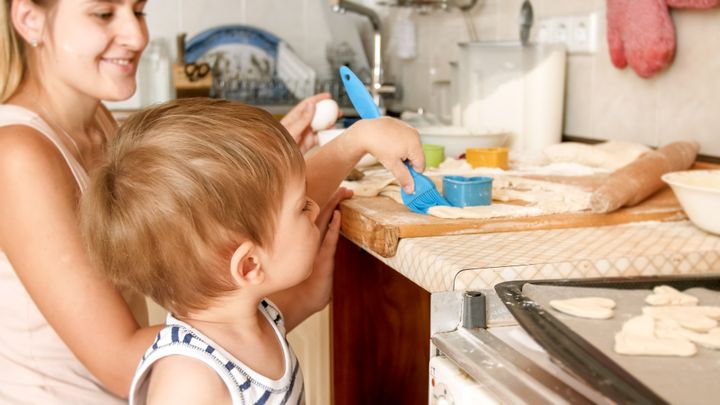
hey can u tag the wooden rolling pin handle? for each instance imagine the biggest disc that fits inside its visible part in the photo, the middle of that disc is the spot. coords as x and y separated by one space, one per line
636 181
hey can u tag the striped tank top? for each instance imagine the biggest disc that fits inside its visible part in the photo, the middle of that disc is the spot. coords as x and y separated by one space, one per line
244 384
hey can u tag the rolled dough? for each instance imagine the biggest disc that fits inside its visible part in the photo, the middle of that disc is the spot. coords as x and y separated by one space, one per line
608 155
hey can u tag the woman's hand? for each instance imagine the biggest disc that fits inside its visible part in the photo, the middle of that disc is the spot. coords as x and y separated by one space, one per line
298 120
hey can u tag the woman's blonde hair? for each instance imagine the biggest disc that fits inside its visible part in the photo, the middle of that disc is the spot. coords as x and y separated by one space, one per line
184 183
12 54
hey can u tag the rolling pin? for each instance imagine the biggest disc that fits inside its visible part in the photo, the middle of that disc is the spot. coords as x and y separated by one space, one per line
634 182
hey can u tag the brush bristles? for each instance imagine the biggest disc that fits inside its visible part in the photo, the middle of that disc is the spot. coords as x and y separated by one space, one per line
430 198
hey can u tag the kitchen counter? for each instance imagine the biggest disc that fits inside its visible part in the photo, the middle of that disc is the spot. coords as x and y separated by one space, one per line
385 309
479 261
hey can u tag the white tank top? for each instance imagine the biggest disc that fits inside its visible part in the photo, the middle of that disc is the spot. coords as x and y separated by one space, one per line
36 367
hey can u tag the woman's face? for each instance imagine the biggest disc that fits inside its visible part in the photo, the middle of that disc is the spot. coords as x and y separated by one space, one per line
95 45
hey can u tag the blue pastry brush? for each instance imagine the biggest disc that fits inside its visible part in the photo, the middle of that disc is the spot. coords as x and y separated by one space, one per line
426 194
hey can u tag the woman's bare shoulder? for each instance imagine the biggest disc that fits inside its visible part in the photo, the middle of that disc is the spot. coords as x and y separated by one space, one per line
27 153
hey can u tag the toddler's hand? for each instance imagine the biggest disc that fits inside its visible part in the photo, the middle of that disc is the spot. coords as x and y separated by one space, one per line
392 142
329 224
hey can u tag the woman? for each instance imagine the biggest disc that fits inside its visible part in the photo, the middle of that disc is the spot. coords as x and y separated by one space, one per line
66 334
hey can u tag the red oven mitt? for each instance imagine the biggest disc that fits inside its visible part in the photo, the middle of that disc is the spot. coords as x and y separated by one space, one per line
696 4
641 34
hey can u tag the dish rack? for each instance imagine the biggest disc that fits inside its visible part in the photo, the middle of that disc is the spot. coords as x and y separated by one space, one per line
275 91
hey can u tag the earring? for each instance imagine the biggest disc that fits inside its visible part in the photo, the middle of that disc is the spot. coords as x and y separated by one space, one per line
34 43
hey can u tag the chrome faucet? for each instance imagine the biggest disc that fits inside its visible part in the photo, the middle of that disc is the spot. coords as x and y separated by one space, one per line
377 87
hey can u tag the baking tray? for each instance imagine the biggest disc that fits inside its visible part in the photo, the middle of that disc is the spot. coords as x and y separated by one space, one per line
577 354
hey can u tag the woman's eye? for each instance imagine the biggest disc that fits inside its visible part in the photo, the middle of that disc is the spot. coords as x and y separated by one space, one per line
140 14
308 206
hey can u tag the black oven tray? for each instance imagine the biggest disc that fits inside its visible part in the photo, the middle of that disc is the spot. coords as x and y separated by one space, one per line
577 354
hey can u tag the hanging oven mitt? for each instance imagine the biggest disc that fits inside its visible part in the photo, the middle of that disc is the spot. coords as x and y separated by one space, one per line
640 34
694 4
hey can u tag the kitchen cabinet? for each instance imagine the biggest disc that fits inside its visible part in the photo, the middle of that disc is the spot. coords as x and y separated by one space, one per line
380 332
385 310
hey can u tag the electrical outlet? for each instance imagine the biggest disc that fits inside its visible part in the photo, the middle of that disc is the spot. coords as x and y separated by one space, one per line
578 33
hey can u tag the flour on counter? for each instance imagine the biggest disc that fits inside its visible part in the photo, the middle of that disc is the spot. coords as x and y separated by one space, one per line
537 197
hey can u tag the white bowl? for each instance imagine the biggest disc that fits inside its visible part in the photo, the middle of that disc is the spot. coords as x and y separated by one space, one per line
330 134
699 194
457 139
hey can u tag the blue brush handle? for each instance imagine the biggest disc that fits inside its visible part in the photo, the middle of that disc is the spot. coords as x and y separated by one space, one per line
359 96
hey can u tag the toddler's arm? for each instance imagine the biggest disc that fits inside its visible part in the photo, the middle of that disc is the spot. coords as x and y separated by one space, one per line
184 380
390 140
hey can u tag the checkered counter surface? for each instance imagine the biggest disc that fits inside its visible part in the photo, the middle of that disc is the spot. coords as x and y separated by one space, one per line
479 261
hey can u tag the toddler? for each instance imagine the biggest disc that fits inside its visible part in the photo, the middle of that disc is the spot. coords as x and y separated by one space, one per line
202 206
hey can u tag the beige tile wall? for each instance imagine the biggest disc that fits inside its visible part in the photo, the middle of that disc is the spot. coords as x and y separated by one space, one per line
602 102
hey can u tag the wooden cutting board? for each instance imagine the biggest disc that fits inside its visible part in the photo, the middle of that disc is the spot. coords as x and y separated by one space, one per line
378 223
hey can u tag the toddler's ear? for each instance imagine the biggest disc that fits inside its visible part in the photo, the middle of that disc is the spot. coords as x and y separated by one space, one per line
245 267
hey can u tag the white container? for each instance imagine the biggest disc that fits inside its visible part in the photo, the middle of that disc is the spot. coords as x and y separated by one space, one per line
457 139
155 79
699 194
516 89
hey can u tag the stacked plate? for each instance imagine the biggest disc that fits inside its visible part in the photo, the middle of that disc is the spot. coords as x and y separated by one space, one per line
299 78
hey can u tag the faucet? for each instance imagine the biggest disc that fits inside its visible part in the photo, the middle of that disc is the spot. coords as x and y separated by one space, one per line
377 88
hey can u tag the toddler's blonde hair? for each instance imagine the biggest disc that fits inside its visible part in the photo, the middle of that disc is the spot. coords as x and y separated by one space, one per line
184 183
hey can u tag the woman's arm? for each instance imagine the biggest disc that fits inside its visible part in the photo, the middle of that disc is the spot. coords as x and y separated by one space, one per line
40 235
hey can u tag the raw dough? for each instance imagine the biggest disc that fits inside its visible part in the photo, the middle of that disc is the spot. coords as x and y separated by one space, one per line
666 295
696 318
609 155
667 328
637 337
586 307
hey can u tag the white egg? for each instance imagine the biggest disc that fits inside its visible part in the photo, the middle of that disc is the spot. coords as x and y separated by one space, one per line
326 113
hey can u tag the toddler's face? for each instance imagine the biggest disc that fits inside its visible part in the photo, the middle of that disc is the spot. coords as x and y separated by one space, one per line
296 238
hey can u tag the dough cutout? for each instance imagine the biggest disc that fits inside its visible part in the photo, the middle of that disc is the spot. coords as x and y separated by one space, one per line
695 318
670 329
586 307
666 295
637 338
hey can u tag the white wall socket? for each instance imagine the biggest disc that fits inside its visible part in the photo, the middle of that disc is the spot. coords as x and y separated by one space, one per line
578 33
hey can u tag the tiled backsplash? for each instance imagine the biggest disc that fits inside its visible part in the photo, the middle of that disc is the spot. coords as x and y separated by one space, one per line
307 25
602 102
